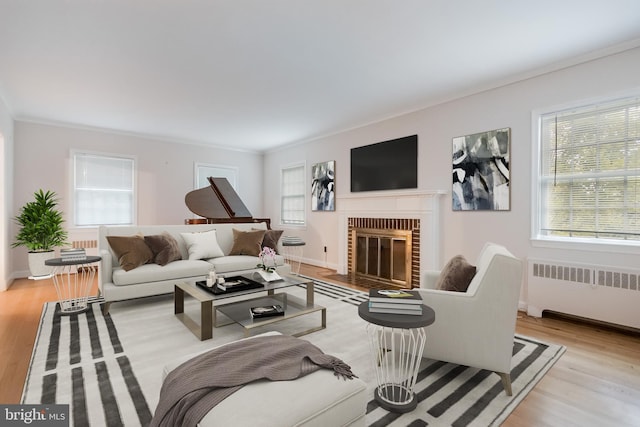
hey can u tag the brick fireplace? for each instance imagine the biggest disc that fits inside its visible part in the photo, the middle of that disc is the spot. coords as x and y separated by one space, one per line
385 220
382 250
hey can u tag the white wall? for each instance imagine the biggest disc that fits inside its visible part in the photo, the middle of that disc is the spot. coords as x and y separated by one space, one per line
6 193
166 169
508 106
165 172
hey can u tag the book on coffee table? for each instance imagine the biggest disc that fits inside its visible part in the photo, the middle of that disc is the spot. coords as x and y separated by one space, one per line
266 311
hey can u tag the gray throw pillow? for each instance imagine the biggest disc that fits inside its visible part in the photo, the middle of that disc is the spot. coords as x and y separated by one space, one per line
456 275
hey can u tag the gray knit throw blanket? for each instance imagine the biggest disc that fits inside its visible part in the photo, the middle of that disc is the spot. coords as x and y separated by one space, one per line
191 390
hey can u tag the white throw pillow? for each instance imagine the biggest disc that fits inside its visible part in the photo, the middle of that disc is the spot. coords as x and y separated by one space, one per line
202 245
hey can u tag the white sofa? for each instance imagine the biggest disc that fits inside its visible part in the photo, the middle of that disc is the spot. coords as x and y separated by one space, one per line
477 327
116 284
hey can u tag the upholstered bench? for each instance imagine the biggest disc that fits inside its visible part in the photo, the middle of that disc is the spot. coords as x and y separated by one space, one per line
317 399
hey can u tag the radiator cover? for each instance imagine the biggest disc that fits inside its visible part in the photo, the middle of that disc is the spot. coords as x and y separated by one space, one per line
602 293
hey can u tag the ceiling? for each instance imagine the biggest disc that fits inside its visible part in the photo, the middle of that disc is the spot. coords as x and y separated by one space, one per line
258 74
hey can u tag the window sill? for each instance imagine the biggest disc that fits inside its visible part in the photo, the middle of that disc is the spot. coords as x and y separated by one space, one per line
587 245
294 226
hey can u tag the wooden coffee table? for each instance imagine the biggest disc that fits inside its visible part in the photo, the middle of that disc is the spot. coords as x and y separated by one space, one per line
238 311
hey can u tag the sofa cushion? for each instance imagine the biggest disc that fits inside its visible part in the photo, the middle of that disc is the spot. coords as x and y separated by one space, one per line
148 273
164 247
239 263
202 245
271 238
247 242
230 264
131 251
456 275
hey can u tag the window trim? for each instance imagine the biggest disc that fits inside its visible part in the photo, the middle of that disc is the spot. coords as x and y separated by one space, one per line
566 243
199 167
304 194
71 216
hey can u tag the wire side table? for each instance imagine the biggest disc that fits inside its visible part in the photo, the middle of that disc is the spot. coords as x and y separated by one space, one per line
292 248
73 283
396 342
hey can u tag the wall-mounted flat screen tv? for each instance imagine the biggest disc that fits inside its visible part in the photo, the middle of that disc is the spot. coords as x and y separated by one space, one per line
388 165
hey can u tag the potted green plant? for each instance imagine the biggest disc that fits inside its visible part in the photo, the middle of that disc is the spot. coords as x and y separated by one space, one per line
40 230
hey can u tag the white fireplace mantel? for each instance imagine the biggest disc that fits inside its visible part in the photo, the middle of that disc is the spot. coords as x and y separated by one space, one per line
422 205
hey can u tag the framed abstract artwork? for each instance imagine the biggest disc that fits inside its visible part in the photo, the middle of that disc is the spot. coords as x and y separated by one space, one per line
481 166
323 186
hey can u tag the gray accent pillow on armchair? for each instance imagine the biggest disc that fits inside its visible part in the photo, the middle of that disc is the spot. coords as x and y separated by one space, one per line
456 275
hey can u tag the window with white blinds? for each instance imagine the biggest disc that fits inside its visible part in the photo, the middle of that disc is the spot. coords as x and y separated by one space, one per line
292 203
589 177
104 189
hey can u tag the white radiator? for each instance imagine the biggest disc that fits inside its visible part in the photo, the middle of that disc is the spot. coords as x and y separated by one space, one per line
86 244
602 293
90 246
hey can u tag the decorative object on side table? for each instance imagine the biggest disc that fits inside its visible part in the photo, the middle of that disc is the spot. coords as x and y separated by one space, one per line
392 301
40 231
267 266
73 254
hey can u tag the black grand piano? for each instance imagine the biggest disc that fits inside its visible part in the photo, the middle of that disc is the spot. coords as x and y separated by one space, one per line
218 203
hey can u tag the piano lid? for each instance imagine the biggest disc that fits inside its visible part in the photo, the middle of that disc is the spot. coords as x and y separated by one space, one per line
219 200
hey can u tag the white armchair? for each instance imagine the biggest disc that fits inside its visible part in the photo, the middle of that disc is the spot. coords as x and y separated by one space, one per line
476 328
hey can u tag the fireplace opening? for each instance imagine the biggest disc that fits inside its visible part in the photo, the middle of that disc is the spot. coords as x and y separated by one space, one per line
382 254
385 251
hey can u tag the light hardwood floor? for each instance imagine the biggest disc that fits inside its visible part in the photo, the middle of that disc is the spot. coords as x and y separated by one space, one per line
595 383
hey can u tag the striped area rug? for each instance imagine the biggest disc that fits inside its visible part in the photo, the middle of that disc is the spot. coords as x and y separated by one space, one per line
109 368
79 359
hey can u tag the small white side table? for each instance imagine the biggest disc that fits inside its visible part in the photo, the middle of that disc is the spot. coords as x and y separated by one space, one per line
72 283
396 343
292 248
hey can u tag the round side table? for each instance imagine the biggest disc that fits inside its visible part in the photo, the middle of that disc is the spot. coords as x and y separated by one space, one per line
396 342
73 283
292 248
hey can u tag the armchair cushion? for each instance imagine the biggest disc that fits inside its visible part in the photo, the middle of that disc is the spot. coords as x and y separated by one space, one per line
456 275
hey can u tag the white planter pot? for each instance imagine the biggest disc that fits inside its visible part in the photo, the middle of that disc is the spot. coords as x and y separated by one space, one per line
36 263
269 277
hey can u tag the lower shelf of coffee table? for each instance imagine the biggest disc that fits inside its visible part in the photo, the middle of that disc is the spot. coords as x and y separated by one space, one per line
239 312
